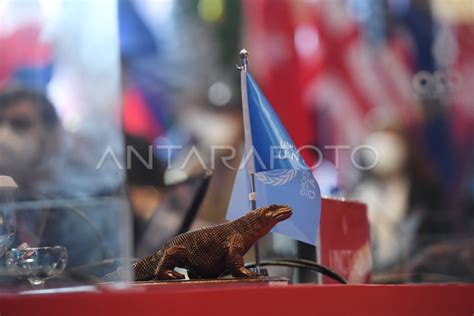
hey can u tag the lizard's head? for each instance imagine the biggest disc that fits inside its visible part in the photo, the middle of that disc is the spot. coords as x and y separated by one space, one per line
275 213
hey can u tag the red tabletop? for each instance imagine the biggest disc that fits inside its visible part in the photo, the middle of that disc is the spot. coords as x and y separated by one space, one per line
250 300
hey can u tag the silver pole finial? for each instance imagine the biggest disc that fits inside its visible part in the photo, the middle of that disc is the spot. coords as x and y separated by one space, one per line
244 55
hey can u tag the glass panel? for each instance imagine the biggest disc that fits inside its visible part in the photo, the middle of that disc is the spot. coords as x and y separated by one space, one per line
61 140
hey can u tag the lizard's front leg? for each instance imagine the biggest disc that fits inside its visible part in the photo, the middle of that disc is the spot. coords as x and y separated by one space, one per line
235 246
175 256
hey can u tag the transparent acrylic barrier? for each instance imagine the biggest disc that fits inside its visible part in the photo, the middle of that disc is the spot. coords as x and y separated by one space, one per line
61 137
90 230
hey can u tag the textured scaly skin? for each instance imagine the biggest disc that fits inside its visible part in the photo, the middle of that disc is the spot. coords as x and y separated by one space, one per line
210 251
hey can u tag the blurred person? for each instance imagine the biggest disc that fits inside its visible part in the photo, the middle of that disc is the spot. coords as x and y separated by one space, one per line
145 182
468 203
28 124
28 135
403 196
447 261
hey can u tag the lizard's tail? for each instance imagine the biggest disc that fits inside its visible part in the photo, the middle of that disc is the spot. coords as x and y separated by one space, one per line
113 276
147 268
143 270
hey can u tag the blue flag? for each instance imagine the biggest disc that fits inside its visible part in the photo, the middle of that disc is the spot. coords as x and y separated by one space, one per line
281 174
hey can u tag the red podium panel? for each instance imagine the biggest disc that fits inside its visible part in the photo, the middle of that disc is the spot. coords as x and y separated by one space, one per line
345 240
354 300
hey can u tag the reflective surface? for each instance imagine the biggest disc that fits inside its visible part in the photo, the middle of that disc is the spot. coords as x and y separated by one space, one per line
7 220
61 136
37 264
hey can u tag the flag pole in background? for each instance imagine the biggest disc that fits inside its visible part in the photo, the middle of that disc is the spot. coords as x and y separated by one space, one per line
248 144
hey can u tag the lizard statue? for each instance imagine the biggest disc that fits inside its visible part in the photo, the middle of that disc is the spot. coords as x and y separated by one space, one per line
209 252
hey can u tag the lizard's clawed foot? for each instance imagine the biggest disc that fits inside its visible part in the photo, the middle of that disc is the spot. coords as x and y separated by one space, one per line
170 275
244 273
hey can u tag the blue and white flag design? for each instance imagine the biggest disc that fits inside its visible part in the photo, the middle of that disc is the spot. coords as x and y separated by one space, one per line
281 174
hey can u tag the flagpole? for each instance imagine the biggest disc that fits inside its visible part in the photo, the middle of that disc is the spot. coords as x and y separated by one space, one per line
248 144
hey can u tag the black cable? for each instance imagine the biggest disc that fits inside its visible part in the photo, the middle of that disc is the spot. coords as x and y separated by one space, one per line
302 264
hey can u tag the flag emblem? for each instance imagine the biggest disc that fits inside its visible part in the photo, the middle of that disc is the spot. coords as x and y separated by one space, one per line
276 177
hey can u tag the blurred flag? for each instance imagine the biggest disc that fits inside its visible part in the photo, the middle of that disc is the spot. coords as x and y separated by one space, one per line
355 86
139 118
271 36
25 58
281 175
136 39
144 99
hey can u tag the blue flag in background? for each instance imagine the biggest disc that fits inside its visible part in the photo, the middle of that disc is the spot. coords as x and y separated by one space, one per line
281 175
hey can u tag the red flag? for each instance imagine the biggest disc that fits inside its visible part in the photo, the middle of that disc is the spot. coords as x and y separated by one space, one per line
270 36
349 80
137 117
22 48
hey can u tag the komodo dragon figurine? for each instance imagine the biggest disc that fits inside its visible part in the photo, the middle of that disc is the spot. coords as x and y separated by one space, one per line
209 252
